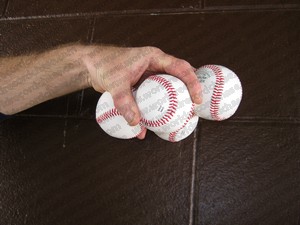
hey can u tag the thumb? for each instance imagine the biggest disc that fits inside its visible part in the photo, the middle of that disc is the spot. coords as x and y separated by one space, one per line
126 105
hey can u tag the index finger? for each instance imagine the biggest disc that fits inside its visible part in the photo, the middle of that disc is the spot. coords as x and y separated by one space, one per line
180 69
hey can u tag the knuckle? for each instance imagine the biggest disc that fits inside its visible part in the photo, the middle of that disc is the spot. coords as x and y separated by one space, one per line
184 64
154 50
121 95
194 83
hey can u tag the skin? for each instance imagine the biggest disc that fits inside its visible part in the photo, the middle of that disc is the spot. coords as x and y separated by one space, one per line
28 80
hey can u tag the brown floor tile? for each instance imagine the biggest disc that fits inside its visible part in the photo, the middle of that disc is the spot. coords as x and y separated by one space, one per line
26 36
264 56
69 172
44 7
245 3
247 174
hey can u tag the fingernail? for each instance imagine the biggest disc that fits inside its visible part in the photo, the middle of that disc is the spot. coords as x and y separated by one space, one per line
129 116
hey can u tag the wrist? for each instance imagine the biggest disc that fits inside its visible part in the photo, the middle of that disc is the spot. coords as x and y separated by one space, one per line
78 59
90 58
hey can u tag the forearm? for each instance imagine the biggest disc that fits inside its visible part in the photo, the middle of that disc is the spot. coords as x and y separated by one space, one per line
26 81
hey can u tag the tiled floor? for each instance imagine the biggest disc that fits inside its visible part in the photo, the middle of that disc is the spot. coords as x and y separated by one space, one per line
58 167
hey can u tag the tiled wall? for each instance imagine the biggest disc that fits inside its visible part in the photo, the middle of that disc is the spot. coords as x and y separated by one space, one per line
58 167
250 4
16 8
186 29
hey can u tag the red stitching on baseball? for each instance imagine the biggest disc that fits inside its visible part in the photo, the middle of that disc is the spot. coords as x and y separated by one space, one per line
217 92
173 103
107 115
172 135
114 112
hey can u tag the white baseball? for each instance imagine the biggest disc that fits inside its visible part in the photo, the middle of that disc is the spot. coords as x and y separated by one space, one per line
164 103
181 133
222 92
112 122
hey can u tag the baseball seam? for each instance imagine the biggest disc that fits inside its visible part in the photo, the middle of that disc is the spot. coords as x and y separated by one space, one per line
112 113
172 135
107 115
173 103
217 92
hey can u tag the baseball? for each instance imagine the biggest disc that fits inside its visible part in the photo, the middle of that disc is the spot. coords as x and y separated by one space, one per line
181 133
164 103
221 92
112 122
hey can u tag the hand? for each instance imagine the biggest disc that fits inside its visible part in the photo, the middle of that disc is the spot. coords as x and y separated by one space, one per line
117 69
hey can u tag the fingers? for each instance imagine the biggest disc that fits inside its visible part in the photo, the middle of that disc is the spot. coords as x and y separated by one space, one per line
126 105
180 69
142 135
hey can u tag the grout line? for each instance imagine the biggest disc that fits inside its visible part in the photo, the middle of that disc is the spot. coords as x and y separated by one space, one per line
5 9
64 145
257 119
202 4
253 7
67 106
80 102
270 120
107 13
91 30
29 116
66 123
192 191
210 9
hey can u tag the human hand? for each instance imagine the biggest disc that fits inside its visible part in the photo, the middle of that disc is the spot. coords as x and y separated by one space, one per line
118 69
